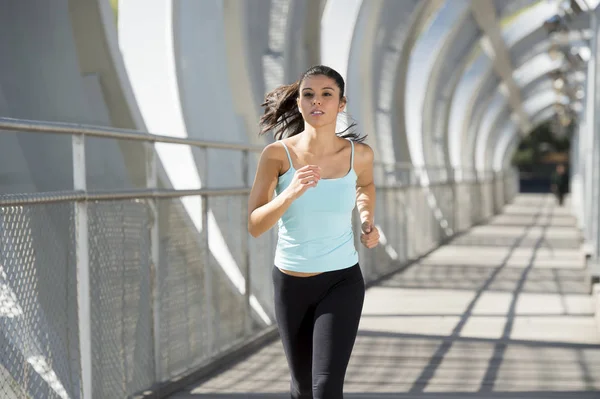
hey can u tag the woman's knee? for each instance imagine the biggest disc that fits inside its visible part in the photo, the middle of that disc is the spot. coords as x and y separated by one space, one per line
328 387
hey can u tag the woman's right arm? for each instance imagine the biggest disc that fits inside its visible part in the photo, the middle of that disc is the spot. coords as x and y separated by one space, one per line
263 210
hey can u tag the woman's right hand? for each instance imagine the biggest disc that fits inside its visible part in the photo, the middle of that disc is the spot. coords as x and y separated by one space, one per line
304 178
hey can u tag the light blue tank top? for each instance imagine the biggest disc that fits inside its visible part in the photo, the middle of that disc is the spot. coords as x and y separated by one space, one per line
315 232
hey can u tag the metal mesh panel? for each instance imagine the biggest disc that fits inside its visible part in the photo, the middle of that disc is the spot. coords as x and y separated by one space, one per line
511 184
229 213
122 339
499 194
262 252
184 324
464 206
229 310
418 219
415 230
39 355
390 242
400 238
228 275
443 210
487 197
476 202
203 309
228 298
425 219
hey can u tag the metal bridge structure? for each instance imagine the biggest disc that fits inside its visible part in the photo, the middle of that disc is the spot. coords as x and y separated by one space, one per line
128 145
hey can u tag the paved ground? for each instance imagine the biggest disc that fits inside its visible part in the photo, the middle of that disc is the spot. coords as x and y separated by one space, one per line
501 312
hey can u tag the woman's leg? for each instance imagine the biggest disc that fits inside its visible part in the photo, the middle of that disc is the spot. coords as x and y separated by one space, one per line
336 324
295 316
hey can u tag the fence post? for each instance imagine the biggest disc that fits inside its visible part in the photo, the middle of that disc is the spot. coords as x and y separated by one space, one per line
208 274
82 257
155 272
452 178
245 247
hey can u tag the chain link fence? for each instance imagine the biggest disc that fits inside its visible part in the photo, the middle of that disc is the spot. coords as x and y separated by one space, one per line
38 319
115 294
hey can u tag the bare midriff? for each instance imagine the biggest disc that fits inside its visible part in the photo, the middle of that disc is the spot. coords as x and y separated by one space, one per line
298 274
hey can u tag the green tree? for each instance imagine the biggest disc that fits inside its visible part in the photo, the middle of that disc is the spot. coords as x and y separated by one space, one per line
541 140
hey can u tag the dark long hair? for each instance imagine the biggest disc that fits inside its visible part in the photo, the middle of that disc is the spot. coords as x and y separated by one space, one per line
281 115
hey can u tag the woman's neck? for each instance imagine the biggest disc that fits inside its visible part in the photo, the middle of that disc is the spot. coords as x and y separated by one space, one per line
318 141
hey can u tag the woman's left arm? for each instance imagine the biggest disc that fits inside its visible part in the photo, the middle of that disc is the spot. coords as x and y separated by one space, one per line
365 195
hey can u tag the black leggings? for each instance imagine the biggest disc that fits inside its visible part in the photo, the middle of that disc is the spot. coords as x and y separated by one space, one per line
318 320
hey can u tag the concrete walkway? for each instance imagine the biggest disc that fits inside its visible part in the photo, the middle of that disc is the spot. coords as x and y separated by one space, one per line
500 312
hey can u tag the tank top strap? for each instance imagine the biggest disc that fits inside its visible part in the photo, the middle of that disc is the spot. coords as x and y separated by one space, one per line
352 155
288 154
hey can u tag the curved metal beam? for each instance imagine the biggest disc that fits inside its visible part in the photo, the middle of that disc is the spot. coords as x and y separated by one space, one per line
510 132
386 31
303 37
537 66
537 13
485 146
497 109
361 93
98 53
474 90
485 14
445 74
422 65
482 99
337 27
463 106
538 93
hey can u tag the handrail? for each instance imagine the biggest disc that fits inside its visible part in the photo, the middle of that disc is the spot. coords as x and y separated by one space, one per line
47 127
110 195
33 126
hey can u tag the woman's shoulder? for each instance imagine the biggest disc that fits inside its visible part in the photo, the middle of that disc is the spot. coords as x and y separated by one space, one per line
363 153
275 154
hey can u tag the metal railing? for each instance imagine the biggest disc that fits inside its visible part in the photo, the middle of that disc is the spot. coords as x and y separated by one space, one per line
108 294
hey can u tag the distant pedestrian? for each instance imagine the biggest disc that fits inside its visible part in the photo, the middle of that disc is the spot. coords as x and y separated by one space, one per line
560 183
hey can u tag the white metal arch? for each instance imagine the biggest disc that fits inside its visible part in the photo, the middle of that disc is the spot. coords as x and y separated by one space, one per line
448 66
474 87
383 39
422 62
529 82
540 99
463 107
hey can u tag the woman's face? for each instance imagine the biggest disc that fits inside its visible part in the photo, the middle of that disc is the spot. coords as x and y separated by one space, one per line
319 101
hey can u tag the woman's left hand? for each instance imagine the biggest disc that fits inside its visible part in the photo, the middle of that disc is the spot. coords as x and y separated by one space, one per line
369 236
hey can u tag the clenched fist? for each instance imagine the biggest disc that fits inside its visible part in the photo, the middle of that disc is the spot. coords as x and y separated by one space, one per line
369 236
